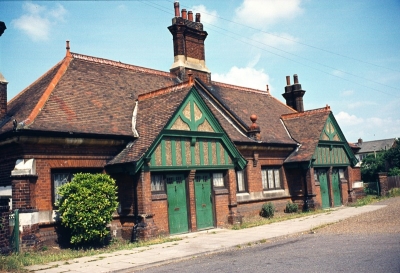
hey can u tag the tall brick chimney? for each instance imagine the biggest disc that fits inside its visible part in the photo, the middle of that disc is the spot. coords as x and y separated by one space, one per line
188 38
294 94
3 97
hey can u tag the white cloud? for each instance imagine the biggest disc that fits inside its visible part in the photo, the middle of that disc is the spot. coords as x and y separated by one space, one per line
359 104
247 76
370 128
345 119
347 93
282 41
261 13
207 16
38 20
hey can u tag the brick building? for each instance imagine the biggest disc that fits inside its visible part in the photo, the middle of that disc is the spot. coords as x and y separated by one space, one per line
188 153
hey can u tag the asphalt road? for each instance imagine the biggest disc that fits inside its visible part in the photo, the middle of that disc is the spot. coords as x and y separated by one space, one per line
366 243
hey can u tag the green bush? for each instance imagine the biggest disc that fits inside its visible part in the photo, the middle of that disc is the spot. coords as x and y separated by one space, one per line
267 210
86 207
291 207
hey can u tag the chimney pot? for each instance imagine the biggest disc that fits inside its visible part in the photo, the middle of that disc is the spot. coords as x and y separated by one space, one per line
360 141
190 15
295 79
68 49
287 80
184 14
197 17
176 7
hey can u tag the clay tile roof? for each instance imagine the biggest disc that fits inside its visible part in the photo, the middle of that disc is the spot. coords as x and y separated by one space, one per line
154 111
305 128
244 102
92 95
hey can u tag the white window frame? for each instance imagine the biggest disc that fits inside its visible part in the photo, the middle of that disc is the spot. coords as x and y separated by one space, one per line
271 178
157 183
218 180
241 181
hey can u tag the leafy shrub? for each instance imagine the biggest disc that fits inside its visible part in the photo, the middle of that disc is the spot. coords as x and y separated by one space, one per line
291 207
267 210
86 207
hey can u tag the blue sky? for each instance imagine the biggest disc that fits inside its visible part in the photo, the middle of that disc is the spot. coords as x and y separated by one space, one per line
346 53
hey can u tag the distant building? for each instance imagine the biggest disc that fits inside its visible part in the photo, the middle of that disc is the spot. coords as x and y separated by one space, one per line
371 147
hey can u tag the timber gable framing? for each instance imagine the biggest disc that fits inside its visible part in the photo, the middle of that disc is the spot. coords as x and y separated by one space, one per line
192 138
332 148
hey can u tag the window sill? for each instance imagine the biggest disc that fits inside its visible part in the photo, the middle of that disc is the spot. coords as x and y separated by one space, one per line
158 196
220 191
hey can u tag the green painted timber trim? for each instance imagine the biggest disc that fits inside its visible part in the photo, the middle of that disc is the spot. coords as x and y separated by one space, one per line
218 134
187 168
201 151
173 152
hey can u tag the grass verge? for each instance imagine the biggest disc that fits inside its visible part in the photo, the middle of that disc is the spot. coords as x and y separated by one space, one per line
17 262
369 199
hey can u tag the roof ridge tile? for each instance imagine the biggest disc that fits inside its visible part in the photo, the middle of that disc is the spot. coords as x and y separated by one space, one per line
306 113
241 88
119 64
163 91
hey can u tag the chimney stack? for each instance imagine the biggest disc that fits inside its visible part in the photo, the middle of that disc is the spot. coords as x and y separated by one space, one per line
294 94
189 54
3 97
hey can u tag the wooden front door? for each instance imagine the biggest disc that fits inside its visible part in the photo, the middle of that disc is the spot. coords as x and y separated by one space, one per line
336 188
323 183
204 208
177 205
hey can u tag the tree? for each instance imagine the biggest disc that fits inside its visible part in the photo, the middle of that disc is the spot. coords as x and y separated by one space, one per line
383 161
86 207
392 156
372 165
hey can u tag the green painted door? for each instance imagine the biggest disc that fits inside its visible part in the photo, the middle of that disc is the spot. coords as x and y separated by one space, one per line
335 188
204 208
323 183
177 206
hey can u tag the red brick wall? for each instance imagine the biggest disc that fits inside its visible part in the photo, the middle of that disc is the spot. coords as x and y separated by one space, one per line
195 48
252 209
125 184
8 157
221 209
160 211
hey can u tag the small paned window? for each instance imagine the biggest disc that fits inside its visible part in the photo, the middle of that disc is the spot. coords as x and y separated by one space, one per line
218 180
341 174
157 183
241 181
271 179
61 177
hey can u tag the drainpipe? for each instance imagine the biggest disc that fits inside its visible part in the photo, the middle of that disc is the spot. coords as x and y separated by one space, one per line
306 208
135 201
